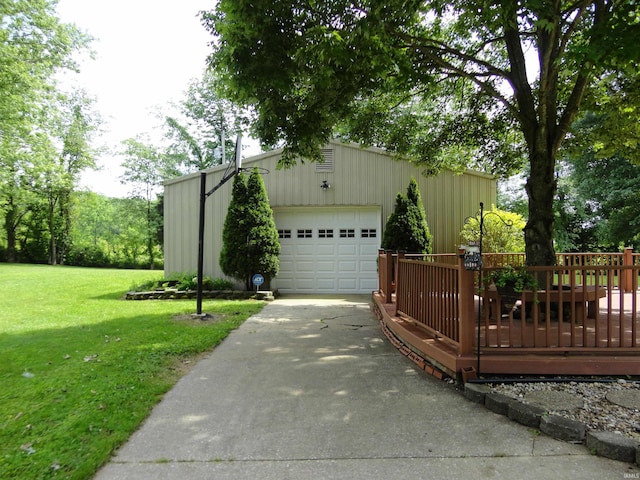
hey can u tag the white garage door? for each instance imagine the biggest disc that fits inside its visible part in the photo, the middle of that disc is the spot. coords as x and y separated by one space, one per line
328 250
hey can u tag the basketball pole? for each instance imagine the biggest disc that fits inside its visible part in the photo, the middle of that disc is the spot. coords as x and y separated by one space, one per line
228 175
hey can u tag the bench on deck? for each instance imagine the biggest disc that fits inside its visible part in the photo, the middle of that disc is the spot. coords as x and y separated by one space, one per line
581 296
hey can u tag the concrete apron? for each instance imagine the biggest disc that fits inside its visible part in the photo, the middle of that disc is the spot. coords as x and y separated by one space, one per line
310 389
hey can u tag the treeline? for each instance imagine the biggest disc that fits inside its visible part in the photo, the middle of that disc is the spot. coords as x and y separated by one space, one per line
47 138
103 232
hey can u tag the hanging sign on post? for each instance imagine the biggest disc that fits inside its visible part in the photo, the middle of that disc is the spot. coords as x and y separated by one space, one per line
472 257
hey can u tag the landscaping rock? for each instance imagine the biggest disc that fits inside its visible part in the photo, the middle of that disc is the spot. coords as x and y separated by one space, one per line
475 392
172 294
563 428
528 415
498 403
612 445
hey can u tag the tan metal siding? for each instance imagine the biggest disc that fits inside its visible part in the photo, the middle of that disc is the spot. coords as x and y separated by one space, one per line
361 177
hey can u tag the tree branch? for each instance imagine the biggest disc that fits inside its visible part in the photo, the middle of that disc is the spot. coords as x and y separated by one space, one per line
435 53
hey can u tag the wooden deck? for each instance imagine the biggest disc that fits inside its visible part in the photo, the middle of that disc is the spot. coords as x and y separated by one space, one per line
514 346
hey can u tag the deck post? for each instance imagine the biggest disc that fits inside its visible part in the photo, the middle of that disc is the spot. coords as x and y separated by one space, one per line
466 306
626 275
396 266
387 286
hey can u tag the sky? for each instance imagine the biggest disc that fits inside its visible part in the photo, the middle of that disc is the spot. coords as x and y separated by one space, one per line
146 54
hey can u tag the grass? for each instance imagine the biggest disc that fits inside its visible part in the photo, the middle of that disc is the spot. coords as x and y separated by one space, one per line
80 368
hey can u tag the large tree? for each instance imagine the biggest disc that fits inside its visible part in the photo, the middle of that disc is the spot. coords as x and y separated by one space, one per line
144 170
34 45
73 123
307 66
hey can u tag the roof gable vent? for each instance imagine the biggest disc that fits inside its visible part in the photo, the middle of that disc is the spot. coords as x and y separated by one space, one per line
327 164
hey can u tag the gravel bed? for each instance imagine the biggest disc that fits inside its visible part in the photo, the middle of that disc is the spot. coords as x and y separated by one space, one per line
607 406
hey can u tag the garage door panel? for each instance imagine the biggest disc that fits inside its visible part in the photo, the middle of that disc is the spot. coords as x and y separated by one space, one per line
285 283
304 266
286 265
368 266
326 284
329 250
306 250
329 266
347 266
369 249
348 249
347 284
305 284
368 285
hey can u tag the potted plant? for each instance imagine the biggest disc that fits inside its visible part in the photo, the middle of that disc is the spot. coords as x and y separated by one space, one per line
510 282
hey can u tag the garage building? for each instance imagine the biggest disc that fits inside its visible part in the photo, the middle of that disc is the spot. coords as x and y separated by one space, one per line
330 216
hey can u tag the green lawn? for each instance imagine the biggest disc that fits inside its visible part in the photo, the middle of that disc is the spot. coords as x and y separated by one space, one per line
80 368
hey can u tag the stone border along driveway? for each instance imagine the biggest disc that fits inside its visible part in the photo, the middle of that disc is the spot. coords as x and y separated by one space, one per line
606 444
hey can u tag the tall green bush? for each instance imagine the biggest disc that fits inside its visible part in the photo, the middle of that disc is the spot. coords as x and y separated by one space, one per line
235 231
406 228
262 242
250 237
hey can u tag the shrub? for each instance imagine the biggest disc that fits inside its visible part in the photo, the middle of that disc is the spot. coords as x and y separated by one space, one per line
184 281
406 228
503 232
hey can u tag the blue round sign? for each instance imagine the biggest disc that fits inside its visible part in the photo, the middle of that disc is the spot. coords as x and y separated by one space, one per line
257 279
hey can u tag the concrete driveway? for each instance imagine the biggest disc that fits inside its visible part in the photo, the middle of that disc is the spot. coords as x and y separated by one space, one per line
309 388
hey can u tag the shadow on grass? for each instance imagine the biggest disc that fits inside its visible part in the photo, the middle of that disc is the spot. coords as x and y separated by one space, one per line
71 395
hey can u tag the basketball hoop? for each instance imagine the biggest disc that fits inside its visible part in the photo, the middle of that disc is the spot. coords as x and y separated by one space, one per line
228 175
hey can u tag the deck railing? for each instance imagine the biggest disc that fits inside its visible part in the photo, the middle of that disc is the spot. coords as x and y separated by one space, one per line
587 303
576 308
432 299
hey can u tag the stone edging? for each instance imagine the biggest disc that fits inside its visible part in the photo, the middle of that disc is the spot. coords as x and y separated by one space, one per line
605 444
209 294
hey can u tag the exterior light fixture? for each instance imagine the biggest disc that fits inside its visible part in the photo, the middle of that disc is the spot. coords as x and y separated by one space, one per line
325 185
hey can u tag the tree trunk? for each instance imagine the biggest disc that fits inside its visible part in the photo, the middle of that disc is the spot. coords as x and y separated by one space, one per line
150 235
53 259
541 188
10 224
65 235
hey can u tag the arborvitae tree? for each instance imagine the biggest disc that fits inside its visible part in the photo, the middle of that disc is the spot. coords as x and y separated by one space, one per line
423 235
262 241
406 229
234 235
250 237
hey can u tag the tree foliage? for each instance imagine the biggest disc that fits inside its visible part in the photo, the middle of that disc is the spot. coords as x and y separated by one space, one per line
309 67
206 121
110 232
406 228
262 241
607 190
144 169
250 237
502 231
235 231
34 46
